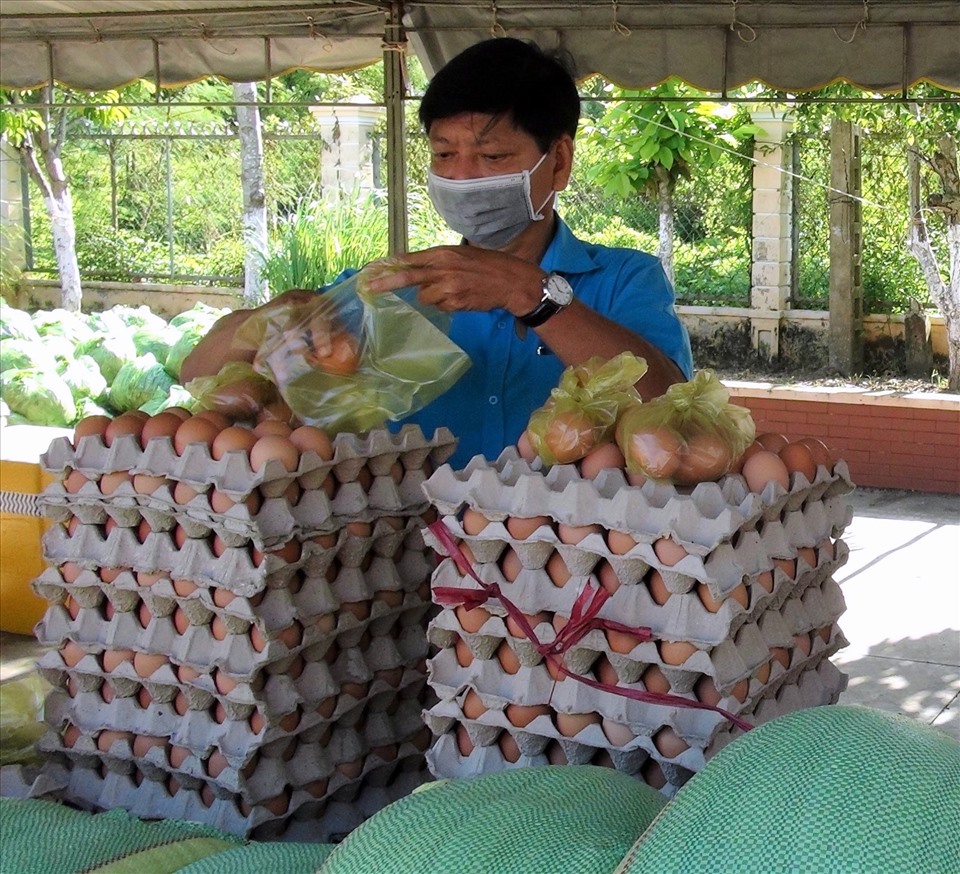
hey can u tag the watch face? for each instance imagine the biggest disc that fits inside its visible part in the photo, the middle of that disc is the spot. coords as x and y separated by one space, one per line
558 290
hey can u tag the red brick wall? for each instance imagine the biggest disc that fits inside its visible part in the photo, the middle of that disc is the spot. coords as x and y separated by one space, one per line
888 441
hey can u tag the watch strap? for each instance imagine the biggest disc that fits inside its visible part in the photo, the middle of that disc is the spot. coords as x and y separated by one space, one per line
543 310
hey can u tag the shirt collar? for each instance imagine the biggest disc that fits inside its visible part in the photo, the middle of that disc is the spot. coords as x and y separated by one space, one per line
566 254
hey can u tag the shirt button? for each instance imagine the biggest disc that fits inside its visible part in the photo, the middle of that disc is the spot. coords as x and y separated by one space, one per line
501 324
494 400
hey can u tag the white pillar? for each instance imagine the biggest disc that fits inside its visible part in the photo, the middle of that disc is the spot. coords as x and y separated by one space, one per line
349 162
772 218
12 242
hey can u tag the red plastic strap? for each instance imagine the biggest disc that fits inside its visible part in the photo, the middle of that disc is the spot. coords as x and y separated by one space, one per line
583 617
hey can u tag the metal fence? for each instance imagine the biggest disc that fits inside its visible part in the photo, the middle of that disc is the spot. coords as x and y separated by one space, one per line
149 206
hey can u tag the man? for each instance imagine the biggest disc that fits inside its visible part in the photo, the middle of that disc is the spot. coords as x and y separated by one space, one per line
528 298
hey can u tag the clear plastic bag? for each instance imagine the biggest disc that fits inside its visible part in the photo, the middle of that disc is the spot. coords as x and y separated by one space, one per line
351 360
21 718
583 409
692 433
237 391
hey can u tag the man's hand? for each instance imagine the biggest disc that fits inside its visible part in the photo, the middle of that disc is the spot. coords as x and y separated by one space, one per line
461 278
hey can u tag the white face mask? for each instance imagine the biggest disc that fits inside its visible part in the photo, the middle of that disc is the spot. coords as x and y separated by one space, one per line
490 211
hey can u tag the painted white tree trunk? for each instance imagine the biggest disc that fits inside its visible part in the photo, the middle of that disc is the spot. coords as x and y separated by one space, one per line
944 293
254 197
665 223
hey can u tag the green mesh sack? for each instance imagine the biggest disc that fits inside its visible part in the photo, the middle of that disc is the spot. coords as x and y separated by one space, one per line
826 790
275 857
45 837
563 819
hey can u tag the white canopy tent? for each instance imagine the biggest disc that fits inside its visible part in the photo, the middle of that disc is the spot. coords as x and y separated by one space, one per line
881 45
716 45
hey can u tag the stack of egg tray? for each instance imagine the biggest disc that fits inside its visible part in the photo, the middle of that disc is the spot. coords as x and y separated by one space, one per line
264 674
761 660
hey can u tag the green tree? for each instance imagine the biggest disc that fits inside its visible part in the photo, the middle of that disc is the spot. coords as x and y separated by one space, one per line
36 124
653 138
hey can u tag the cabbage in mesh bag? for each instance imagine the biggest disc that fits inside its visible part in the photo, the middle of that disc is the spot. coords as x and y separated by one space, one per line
351 360
690 434
582 410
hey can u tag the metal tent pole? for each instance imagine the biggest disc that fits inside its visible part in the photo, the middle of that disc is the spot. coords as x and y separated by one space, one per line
394 67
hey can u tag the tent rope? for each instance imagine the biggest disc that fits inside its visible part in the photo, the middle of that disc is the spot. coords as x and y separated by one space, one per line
860 25
616 25
740 28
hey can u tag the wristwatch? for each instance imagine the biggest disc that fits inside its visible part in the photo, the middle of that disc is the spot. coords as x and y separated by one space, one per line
557 294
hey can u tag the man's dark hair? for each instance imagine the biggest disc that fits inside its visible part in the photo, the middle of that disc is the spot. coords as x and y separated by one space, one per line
506 76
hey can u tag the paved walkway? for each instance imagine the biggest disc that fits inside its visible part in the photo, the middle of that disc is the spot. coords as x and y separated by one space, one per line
902 589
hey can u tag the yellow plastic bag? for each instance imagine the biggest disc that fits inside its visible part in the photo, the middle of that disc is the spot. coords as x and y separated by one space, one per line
350 360
692 433
237 391
582 410
21 718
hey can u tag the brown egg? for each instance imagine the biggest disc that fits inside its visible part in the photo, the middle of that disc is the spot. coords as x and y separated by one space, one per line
195 430
826 549
71 653
521 527
555 754
473 707
509 748
655 680
291 636
655 452
764 467
110 482
773 441
473 620
144 484
236 438
463 653
71 735
70 571
272 428
143 743
464 744
126 423
145 663
822 454
571 724
164 424
181 704
617 733
111 659
90 426
525 447
605 672
224 683
473 521
218 628
144 614
508 659
669 743
669 551
762 673
706 691
802 643
652 774
764 580
807 555
257 722
606 576
605 456
144 698
74 481
274 447
657 587
704 458
569 436
510 564
738 594
798 459
621 641
521 715
619 542
535 619
675 652
787 565
217 418
573 534
557 570
108 737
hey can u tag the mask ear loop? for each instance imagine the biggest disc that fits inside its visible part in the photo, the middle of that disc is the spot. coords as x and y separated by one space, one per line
537 215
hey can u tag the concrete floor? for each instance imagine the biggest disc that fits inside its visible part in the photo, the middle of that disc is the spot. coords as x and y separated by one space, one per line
902 590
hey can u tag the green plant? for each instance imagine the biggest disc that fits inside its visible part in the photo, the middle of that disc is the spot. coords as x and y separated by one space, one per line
324 237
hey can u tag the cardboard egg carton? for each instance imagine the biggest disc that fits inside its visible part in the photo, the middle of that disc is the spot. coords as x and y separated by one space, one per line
304 816
699 518
378 450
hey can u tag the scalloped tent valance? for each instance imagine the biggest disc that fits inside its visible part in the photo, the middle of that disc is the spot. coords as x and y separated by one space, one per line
794 45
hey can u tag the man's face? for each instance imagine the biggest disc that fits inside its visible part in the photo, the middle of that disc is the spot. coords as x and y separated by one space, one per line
473 144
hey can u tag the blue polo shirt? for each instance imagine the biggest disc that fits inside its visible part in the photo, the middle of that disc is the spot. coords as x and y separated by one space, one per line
490 405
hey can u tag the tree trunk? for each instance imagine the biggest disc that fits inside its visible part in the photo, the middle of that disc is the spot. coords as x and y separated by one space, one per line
945 294
50 178
665 201
254 198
